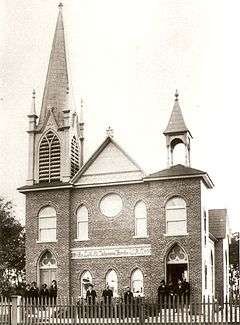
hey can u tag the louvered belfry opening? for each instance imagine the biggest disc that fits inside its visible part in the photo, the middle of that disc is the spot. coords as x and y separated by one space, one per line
49 158
74 156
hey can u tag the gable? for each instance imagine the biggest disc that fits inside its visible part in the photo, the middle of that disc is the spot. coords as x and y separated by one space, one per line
110 165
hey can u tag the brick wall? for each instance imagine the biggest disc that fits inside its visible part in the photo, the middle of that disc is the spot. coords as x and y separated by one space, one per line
60 200
116 231
120 231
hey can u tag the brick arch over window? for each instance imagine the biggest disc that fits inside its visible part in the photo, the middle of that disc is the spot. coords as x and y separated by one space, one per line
74 156
49 158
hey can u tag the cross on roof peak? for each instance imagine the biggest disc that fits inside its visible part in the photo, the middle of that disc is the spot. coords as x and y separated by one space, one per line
109 132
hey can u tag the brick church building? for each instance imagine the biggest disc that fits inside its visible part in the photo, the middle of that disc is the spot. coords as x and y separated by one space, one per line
106 221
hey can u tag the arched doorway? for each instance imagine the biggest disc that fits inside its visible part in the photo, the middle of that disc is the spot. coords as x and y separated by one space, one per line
176 265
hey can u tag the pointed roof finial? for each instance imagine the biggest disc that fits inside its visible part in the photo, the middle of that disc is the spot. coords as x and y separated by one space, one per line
33 107
60 5
81 120
109 132
176 95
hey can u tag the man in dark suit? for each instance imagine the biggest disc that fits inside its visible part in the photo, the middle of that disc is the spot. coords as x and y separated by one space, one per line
91 295
128 296
107 295
53 292
34 293
44 294
162 293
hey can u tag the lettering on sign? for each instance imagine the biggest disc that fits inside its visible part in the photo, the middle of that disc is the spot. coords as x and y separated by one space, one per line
110 251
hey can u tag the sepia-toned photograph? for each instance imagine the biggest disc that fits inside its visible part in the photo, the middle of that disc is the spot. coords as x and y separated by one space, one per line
119 164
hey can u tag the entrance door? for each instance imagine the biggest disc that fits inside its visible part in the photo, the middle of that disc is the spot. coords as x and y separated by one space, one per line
176 265
176 272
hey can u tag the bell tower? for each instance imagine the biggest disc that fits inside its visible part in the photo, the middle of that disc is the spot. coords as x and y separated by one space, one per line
177 132
56 141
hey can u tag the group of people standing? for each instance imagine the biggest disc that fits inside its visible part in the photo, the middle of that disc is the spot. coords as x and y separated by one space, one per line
170 290
44 295
107 295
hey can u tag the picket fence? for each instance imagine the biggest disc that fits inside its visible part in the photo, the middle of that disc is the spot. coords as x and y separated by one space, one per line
140 311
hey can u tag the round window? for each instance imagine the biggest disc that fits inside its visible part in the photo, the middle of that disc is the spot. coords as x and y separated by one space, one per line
111 205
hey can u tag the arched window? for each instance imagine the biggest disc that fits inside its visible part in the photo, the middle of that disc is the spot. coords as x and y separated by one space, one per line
49 158
85 280
137 282
140 212
176 217
74 156
112 282
82 223
47 224
47 268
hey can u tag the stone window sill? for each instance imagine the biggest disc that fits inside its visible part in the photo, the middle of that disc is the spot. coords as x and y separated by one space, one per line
175 235
81 239
141 237
45 242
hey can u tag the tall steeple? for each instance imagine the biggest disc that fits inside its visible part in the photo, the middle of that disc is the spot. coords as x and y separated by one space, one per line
177 132
55 96
56 142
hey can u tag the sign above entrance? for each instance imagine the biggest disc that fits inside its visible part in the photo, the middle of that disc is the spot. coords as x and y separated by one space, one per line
110 251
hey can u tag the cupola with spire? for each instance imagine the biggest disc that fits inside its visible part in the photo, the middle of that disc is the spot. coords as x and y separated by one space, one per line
177 132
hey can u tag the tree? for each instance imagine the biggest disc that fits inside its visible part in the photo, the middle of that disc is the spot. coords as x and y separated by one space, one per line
234 264
12 249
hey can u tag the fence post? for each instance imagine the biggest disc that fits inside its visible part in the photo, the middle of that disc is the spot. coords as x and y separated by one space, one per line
14 310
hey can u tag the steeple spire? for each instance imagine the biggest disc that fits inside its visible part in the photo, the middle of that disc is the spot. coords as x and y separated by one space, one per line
81 134
176 122
177 132
55 95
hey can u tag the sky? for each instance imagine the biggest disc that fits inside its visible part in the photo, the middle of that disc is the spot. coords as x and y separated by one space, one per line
126 59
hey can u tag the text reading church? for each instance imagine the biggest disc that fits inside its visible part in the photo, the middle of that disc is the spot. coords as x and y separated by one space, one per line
104 220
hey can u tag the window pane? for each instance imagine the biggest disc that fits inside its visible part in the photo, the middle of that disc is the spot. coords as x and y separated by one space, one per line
137 286
82 214
83 230
176 227
47 223
141 227
47 212
86 279
140 210
176 202
178 214
47 234
137 282
112 281
44 276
